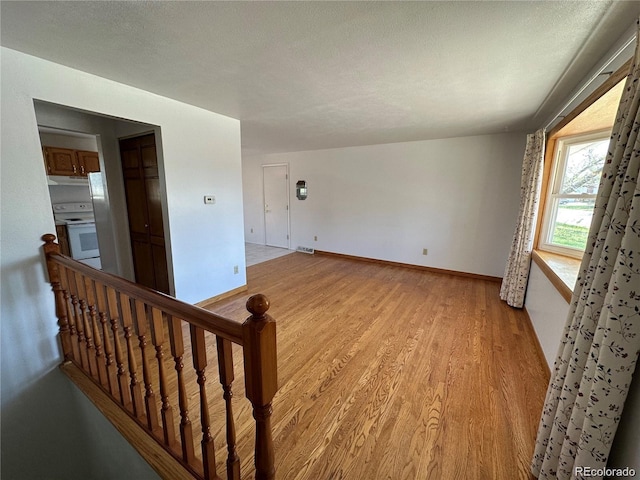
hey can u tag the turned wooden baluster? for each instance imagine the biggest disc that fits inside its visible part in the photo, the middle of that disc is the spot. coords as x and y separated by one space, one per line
177 350
50 248
123 387
108 351
88 329
150 396
261 380
71 315
166 411
97 338
127 326
225 368
77 314
199 349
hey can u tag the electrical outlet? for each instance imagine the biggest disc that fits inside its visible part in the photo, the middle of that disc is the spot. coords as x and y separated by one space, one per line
315 238
209 199
235 269
424 251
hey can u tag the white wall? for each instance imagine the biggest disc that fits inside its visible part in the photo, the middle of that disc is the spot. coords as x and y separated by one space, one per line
456 197
548 311
202 156
68 141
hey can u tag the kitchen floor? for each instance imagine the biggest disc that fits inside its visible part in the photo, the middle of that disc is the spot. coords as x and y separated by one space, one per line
261 253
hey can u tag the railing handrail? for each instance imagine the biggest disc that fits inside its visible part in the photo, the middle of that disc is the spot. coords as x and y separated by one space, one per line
192 314
93 306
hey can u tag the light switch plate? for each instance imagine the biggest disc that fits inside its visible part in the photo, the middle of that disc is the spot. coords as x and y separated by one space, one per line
209 199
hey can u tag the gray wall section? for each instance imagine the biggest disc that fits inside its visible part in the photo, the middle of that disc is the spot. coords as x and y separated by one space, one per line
625 451
52 431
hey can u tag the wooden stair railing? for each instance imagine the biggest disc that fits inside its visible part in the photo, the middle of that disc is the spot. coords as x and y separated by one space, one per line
119 334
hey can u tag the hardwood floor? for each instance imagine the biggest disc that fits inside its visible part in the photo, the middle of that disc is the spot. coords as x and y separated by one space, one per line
390 373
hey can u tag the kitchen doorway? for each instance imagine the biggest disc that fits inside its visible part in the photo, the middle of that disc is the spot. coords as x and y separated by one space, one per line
72 163
107 194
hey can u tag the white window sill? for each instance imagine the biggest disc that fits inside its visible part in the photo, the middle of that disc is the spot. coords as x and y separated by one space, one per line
561 271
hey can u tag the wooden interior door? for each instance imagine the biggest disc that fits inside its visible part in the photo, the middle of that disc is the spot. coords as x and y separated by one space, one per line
144 208
276 205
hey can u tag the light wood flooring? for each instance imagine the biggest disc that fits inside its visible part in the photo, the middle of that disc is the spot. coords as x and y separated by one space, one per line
390 373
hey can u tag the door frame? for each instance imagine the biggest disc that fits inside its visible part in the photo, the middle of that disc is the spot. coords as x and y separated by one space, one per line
157 132
264 213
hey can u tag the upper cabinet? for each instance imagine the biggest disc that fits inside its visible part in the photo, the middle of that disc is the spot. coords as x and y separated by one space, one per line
88 161
60 161
68 162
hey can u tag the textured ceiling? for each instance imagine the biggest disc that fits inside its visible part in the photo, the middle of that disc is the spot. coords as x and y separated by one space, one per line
309 75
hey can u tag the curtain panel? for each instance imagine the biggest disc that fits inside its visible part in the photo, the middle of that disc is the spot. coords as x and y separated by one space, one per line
599 349
516 274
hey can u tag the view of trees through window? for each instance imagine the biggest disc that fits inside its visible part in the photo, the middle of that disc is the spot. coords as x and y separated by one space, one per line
574 196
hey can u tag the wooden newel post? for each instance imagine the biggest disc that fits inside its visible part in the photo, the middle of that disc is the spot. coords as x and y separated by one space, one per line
50 247
261 379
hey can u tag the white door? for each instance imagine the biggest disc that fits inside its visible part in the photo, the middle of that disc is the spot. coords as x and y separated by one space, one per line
276 205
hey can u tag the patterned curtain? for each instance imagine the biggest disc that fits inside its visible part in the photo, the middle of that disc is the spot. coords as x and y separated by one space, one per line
601 341
516 274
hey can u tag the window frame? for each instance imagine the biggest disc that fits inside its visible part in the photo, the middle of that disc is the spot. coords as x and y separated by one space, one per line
550 210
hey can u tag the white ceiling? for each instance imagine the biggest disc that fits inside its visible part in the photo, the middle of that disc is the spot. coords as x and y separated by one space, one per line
310 75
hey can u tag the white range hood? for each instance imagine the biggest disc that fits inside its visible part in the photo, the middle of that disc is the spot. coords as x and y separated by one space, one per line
62 180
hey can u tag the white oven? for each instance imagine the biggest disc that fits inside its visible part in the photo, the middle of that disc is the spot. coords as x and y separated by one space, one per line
83 241
81 231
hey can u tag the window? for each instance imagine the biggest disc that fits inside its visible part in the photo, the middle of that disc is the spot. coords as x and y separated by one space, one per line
577 167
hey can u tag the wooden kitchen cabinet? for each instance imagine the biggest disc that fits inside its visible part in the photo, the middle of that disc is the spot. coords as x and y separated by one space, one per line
88 161
68 162
63 240
61 161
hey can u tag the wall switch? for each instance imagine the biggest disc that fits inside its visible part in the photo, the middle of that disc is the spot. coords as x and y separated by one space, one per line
235 269
315 238
209 199
252 230
424 251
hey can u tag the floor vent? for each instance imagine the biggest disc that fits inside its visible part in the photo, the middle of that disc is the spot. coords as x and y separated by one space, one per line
305 250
